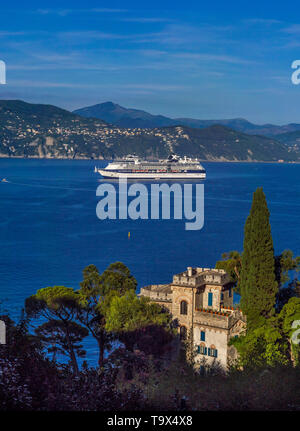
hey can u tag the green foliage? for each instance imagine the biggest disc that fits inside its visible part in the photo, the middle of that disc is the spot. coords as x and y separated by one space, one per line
232 263
263 346
94 296
244 390
118 279
91 287
57 302
284 263
129 312
54 335
129 315
62 306
257 281
91 295
28 381
289 314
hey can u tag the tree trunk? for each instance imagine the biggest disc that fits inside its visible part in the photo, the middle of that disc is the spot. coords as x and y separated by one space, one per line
74 361
54 354
101 350
72 354
291 353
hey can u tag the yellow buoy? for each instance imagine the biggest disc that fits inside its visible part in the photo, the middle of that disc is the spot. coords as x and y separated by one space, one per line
128 235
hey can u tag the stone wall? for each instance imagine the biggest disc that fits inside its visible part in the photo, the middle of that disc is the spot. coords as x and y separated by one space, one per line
216 338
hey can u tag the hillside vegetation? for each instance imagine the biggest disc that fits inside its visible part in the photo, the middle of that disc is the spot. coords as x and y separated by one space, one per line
31 130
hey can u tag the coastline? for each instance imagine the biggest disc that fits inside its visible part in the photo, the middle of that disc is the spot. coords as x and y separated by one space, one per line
221 160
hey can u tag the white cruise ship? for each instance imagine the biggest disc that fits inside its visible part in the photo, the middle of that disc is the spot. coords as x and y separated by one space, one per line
172 168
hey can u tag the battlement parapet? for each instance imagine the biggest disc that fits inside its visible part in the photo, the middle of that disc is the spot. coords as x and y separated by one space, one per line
157 292
195 277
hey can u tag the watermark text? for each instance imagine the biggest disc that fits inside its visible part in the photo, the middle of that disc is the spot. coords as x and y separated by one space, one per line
152 202
2 72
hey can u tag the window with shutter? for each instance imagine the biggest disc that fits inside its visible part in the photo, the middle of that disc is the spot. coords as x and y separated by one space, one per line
183 307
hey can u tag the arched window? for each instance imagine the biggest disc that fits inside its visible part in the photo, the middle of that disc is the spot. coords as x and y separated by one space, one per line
183 307
202 350
212 351
183 333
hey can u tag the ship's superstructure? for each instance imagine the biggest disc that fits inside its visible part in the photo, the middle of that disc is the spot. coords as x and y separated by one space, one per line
172 168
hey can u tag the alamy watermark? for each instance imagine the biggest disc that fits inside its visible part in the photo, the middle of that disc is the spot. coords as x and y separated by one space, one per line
152 203
296 75
2 72
296 334
2 332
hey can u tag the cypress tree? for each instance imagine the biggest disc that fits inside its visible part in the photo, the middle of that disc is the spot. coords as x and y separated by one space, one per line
257 284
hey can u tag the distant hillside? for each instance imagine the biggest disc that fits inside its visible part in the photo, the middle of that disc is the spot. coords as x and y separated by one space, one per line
35 130
291 140
30 130
218 142
124 117
241 125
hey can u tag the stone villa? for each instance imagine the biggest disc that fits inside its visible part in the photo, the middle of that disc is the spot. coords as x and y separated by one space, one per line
201 299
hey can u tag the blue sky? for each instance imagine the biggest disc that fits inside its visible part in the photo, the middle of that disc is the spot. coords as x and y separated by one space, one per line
196 59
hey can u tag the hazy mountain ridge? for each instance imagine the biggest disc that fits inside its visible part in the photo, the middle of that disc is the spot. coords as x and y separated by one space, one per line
127 117
30 130
124 117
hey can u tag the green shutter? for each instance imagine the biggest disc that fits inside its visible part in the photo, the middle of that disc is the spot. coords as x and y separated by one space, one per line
208 351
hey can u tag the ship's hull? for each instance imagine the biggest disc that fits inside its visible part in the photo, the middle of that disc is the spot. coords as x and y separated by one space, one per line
151 175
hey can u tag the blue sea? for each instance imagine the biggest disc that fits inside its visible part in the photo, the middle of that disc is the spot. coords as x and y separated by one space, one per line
49 230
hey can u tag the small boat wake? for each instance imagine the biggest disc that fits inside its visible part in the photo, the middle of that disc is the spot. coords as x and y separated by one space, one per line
4 180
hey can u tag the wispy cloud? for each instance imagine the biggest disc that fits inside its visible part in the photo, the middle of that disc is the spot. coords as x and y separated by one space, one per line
143 86
107 10
143 20
93 34
282 79
213 58
292 29
64 12
176 34
262 21
46 84
13 33
159 87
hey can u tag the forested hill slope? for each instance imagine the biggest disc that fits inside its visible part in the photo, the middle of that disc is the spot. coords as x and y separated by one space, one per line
31 130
